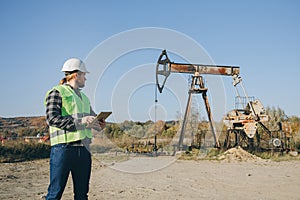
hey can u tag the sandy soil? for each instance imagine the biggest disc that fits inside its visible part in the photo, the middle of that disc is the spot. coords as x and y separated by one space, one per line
164 177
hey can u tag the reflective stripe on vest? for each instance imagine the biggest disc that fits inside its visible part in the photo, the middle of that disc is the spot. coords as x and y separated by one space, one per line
72 105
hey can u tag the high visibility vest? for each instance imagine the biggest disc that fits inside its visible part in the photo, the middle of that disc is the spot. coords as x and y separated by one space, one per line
72 105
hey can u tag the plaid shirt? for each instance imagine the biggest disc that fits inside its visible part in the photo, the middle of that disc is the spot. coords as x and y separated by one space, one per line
53 113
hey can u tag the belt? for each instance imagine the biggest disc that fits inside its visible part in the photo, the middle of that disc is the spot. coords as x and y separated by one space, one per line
75 143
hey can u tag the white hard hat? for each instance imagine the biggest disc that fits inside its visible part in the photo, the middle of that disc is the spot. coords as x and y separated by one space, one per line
73 64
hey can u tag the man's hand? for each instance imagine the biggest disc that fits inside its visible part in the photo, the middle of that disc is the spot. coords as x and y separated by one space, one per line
102 123
87 120
98 126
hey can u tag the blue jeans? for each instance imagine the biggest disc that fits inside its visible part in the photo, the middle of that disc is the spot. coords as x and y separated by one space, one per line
63 160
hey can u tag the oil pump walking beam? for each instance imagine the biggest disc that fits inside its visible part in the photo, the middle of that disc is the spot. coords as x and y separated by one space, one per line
203 69
165 67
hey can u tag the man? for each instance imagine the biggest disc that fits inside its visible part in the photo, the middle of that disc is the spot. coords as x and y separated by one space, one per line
68 112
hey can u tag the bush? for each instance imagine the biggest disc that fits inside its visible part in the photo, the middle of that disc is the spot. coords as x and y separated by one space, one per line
22 151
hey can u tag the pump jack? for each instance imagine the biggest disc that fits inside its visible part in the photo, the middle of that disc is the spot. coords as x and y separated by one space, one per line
165 67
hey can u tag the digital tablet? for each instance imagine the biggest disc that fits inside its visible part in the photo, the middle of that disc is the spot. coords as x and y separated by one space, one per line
100 116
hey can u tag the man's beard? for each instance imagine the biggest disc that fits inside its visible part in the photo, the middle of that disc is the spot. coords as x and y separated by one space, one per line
80 85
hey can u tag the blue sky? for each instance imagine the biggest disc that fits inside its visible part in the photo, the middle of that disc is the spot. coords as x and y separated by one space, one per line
262 37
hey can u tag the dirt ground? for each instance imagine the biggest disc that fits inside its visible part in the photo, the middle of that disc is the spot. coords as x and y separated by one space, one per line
164 177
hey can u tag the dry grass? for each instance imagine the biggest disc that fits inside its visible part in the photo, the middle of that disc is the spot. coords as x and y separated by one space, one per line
16 151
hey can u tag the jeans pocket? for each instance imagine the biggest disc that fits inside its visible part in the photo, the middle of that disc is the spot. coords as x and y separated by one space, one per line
58 153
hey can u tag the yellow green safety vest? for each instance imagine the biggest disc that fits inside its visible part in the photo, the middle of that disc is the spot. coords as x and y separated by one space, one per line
72 105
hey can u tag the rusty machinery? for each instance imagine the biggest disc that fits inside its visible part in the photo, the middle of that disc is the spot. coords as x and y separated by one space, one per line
165 67
245 120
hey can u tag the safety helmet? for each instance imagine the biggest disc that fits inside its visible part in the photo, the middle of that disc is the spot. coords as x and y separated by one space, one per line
73 64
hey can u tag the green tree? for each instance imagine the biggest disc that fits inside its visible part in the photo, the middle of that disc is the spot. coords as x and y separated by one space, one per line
276 115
